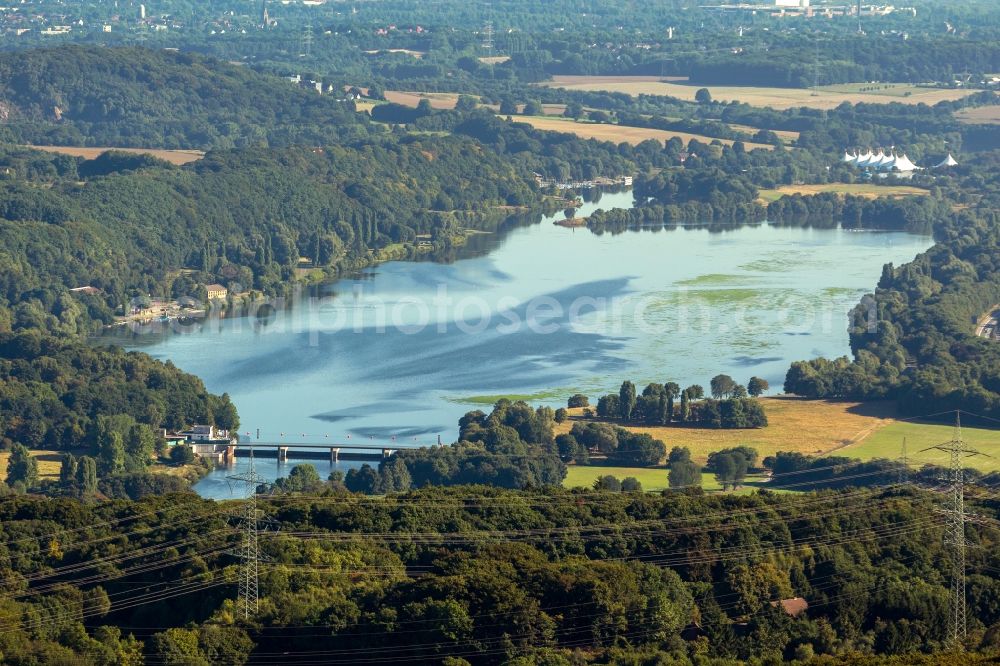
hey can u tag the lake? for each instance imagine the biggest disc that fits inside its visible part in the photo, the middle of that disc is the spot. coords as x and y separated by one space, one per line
397 355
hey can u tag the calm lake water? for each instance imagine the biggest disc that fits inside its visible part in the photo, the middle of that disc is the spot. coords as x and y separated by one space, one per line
405 350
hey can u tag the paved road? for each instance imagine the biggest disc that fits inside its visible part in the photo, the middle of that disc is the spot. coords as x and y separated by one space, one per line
989 326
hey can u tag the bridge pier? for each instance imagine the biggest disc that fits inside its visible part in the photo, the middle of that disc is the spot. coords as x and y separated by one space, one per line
387 452
231 453
282 453
334 455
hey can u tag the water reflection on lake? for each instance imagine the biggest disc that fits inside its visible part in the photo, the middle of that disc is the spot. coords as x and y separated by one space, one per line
406 349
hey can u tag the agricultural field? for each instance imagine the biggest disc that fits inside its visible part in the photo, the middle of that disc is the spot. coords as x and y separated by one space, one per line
980 115
812 427
788 136
49 463
867 190
862 430
653 479
887 443
619 133
365 105
412 99
823 97
172 156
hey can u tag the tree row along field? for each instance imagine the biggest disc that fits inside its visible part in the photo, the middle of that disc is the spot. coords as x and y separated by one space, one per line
862 430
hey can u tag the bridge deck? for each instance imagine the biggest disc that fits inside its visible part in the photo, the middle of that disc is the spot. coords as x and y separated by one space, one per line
328 445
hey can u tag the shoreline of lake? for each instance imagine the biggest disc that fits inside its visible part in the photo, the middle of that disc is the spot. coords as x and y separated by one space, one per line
679 306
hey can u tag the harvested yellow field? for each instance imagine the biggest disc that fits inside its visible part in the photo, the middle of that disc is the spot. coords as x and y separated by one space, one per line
412 99
811 427
172 156
619 133
787 136
867 190
49 463
569 80
980 115
823 97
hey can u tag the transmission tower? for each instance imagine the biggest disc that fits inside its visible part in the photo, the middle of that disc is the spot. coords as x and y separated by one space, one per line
488 38
955 531
248 552
307 40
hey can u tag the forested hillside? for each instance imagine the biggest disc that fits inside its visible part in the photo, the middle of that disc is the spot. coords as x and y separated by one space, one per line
134 97
243 217
486 576
54 390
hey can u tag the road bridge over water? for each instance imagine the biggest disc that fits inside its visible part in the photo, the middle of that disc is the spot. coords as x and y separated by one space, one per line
336 450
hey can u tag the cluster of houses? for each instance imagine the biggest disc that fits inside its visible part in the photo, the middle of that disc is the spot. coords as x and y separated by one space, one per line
600 181
890 162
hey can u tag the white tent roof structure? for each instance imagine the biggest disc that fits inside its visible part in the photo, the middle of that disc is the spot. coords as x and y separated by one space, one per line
869 159
947 162
904 164
883 161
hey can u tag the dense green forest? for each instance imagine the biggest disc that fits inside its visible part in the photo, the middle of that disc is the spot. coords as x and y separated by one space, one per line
487 576
162 99
53 391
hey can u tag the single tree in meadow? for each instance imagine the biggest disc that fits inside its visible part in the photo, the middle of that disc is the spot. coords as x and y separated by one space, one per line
757 387
684 473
